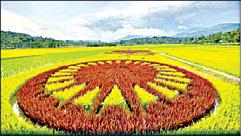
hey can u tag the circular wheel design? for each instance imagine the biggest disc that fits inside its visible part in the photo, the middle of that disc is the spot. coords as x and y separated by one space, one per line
130 52
116 96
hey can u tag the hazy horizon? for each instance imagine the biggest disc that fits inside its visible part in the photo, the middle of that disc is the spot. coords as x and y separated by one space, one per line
112 20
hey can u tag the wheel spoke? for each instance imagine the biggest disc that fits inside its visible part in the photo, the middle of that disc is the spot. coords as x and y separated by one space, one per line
105 90
161 96
89 87
130 95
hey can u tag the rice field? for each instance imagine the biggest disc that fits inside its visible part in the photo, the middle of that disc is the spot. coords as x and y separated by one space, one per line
125 90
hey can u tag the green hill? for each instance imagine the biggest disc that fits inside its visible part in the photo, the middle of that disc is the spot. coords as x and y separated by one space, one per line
226 37
10 40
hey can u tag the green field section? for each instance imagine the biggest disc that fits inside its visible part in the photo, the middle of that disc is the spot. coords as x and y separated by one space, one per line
13 66
67 93
19 67
219 57
87 99
144 96
222 58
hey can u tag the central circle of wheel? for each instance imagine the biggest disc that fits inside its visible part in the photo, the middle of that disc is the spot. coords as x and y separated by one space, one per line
115 73
125 96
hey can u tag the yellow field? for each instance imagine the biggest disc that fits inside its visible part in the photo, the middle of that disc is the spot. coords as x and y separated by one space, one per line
16 69
32 52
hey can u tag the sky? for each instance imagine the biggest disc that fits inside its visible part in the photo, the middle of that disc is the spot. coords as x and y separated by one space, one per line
112 20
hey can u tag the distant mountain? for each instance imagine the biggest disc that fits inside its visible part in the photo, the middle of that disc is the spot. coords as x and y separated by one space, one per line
196 32
82 41
129 37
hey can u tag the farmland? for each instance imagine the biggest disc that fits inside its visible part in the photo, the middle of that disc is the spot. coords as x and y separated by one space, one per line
67 89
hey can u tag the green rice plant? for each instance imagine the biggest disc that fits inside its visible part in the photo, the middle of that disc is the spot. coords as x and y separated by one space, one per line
169 70
225 120
87 99
178 79
55 86
73 67
67 93
137 62
144 96
12 123
110 62
17 65
168 93
219 57
180 86
101 62
172 74
127 62
68 70
145 63
55 79
115 97
61 74
118 61
158 67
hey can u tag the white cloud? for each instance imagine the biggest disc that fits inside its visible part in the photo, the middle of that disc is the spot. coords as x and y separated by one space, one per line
82 33
124 22
151 6
181 27
140 8
13 22
130 30
16 23
80 21
185 17
135 18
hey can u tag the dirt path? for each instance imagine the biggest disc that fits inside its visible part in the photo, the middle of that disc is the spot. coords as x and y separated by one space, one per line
206 68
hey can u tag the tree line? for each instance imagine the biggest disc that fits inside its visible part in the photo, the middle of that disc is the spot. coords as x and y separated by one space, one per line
226 37
11 40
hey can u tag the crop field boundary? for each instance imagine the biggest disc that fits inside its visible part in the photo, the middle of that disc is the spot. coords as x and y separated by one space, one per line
204 67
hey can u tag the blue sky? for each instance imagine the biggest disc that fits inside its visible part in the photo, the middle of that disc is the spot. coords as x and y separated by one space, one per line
111 20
